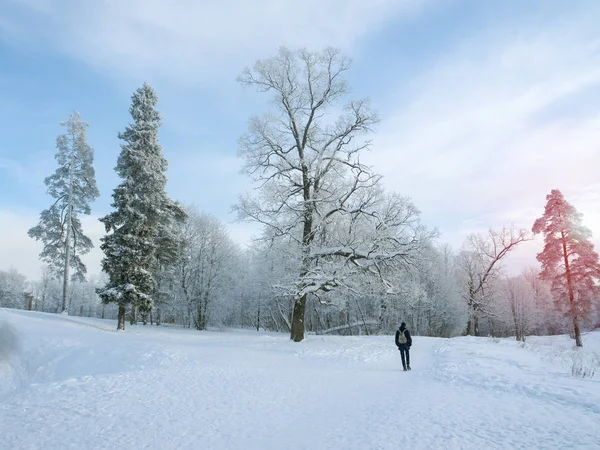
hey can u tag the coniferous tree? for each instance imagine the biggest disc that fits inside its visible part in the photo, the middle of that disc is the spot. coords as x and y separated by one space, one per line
141 223
568 260
73 185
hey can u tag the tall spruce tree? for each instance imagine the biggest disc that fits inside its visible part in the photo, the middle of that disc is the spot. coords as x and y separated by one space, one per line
73 185
141 224
568 260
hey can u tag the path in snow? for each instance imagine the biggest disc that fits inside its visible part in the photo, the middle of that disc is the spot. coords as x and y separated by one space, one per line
86 387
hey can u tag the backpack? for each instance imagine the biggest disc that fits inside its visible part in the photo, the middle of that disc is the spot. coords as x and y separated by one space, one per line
402 337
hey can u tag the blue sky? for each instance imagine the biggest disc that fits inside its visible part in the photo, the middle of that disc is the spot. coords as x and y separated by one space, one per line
485 106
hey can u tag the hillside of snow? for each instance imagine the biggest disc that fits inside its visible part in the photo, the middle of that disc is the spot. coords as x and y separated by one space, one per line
69 382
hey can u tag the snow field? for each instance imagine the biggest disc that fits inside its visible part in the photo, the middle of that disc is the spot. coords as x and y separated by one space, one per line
83 385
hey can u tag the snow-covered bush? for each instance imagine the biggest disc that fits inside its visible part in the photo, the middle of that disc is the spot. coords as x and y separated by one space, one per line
584 364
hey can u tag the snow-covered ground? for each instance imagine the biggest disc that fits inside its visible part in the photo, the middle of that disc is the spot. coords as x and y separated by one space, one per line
76 383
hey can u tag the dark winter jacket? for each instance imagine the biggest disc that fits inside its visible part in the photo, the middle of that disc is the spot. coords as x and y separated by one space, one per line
406 335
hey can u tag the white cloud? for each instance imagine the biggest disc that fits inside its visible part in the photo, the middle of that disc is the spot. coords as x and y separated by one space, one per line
475 142
188 39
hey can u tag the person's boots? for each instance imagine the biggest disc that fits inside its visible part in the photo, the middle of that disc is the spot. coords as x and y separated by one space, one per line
405 369
408 368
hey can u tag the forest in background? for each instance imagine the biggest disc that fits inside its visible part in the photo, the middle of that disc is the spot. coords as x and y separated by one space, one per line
338 253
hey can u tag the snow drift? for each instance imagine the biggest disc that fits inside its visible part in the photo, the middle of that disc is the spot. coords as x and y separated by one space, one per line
11 370
157 387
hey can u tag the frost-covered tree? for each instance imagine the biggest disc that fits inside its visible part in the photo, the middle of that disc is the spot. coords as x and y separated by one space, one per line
144 214
13 286
85 298
568 259
268 265
549 321
479 263
519 298
443 311
47 292
315 194
73 185
204 268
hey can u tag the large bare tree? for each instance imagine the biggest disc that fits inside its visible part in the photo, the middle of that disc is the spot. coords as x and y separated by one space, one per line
313 189
480 264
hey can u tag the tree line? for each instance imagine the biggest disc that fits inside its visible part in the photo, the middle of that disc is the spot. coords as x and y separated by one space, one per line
338 253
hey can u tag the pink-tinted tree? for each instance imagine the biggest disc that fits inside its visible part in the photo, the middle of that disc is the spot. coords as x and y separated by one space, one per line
568 260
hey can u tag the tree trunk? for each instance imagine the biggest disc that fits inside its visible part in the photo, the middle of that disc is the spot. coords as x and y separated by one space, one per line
29 300
133 315
469 328
576 329
121 318
517 327
69 221
297 328
67 266
200 317
382 314
297 333
258 318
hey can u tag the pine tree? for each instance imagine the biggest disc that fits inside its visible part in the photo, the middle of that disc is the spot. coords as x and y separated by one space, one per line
141 224
568 260
73 185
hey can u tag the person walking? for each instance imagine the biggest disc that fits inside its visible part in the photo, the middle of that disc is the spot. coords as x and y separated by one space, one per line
403 342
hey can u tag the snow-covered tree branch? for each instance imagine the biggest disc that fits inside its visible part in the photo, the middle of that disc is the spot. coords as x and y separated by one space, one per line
313 189
73 185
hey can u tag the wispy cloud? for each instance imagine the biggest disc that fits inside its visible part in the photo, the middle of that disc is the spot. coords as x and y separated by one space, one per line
182 39
482 136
